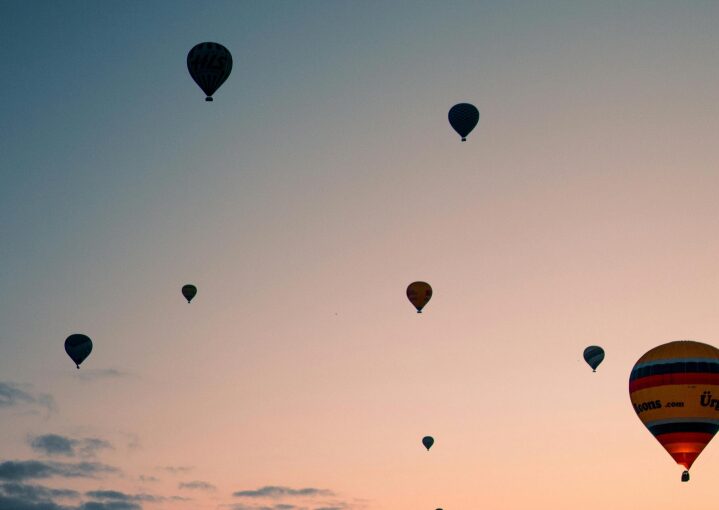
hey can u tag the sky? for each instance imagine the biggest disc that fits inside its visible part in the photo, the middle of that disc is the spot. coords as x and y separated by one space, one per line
322 180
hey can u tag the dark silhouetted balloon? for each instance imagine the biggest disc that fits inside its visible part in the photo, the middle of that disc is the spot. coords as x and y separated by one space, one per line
428 441
419 294
463 117
78 347
209 64
189 291
674 389
593 355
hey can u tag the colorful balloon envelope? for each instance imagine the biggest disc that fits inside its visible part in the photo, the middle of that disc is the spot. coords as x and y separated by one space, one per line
428 441
210 65
78 347
189 291
463 118
419 294
674 389
593 355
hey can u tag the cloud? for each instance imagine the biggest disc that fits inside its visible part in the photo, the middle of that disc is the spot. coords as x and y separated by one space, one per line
198 485
54 444
278 497
35 492
117 496
105 495
89 446
14 471
176 469
100 373
12 395
146 479
15 496
111 505
34 497
274 491
12 503
279 506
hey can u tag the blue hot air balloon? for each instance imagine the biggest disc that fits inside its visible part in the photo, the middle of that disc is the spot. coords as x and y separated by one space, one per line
428 441
593 355
210 65
78 347
463 117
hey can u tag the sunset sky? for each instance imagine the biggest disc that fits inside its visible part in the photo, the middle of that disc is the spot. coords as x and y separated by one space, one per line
323 179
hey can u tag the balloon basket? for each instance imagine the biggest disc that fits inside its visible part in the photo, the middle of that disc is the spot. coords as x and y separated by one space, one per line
685 476
208 98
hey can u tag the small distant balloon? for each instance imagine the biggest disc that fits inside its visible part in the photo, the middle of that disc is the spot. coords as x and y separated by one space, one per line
593 355
189 291
210 65
419 294
428 441
463 117
78 347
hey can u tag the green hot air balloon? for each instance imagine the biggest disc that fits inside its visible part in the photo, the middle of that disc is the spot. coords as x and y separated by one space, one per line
428 441
78 347
189 291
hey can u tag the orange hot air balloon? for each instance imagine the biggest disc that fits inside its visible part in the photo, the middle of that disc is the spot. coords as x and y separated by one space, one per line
674 389
419 294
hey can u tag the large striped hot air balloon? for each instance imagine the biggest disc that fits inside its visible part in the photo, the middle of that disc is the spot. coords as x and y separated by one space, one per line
674 389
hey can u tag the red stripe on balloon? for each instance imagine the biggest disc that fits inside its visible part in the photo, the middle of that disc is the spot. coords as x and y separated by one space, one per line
668 379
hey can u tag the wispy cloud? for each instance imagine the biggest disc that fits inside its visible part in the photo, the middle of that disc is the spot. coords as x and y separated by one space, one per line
15 503
175 470
100 373
278 506
14 471
54 444
110 505
276 491
35 492
197 485
15 395
117 496
15 496
109 495
279 497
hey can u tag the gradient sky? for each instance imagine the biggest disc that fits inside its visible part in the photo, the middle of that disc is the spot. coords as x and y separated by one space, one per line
323 179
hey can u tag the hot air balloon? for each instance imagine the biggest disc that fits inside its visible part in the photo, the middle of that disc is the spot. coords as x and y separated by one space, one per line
189 291
78 347
674 389
463 117
428 441
209 64
419 294
593 355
